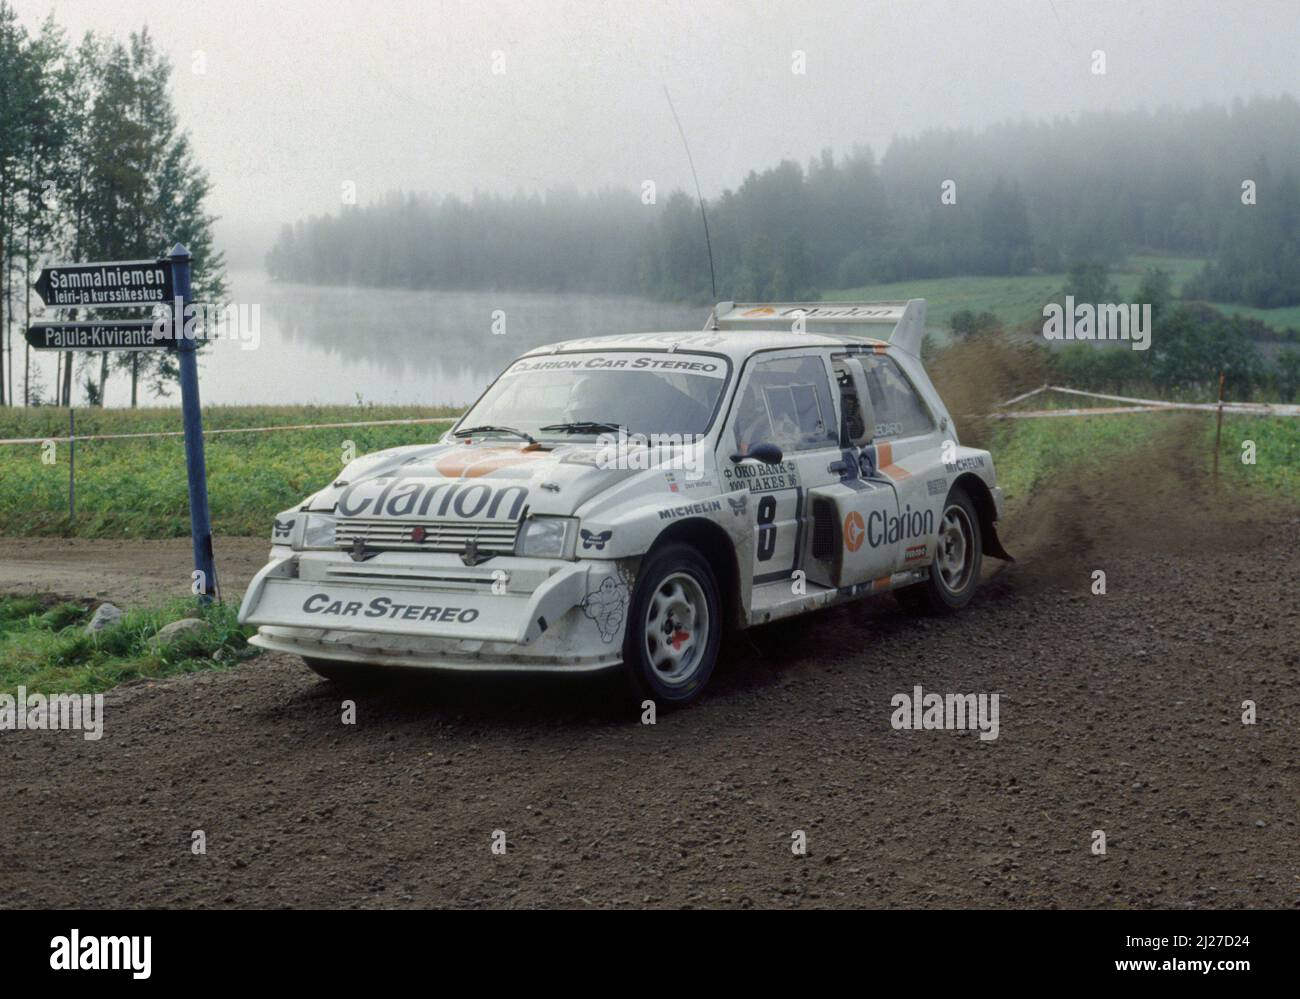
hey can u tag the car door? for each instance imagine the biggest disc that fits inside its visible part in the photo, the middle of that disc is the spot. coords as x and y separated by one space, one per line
906 452
784 399
852 518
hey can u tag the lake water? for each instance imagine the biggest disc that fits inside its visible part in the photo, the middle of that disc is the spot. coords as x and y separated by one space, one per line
333 345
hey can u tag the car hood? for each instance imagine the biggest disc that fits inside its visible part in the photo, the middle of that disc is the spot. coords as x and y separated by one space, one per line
489 481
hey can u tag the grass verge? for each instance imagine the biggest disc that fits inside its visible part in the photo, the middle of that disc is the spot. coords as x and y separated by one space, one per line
1276 440
45 648
1031 452
138 488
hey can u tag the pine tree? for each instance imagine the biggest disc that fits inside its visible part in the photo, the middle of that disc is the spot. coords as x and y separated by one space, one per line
16 96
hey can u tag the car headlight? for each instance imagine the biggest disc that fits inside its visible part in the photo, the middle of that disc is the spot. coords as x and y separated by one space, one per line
546 537
318 532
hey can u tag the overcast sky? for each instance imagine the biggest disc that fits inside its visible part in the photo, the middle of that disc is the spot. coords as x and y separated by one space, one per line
298 97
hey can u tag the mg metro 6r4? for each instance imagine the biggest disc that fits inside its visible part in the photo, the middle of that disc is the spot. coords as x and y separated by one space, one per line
626 500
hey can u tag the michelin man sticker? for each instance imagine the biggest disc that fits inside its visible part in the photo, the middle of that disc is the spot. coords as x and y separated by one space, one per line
605 606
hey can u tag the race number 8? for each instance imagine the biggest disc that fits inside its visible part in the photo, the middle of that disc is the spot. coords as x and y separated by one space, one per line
766 528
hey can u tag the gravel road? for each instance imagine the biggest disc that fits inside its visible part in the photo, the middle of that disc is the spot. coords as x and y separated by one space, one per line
1118 712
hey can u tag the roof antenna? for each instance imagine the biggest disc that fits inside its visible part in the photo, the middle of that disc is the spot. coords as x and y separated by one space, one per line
713 280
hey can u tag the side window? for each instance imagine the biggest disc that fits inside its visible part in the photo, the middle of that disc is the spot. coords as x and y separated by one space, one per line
851 418
787 402
899 410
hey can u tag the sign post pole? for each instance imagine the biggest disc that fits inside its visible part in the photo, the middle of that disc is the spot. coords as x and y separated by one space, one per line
134 283
72 470
200 521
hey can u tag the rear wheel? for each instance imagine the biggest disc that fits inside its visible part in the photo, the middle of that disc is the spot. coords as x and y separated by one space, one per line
955 571
674 626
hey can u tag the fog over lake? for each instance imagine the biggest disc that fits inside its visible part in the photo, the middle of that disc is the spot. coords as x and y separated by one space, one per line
332 345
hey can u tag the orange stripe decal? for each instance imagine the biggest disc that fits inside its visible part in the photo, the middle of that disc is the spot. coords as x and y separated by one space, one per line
474 462
885 463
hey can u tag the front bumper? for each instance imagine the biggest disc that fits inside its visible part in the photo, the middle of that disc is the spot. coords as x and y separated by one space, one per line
431 611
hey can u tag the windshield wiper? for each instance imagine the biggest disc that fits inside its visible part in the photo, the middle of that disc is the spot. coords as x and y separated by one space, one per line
585 427
488 428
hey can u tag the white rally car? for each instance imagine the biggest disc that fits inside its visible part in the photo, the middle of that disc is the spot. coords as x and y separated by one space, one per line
626 499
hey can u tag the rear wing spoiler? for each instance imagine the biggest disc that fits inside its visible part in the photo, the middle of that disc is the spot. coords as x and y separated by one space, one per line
901 323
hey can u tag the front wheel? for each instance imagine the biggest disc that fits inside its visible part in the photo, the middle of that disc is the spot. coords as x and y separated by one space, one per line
955 571
674 626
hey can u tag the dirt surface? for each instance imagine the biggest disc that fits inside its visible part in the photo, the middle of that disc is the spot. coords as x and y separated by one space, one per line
1118 712
124 572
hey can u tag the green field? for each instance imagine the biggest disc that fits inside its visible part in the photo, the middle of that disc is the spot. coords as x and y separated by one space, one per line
1017 300
1029 453
138 488
1277 453
1279 319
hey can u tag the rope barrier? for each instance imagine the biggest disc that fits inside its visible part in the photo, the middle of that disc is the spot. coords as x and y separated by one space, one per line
232 430
1140 406
1134 405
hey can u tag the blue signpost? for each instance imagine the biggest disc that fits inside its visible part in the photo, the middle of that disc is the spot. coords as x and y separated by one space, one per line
196 466
113 285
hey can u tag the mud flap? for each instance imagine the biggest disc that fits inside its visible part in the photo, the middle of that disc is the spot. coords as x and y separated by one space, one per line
992 544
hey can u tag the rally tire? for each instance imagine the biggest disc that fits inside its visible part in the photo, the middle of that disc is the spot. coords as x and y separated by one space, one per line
674 627
955 571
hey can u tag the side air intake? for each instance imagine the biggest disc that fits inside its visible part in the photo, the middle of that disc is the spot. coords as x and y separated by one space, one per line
824 542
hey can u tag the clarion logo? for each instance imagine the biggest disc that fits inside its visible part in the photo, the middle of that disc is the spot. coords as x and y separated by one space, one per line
415 497
77 953
884 529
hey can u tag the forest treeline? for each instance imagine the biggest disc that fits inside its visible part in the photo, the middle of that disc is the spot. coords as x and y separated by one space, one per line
1215 182
93 166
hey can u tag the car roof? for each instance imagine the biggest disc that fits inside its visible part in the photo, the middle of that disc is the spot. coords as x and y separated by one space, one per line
736 344
739 329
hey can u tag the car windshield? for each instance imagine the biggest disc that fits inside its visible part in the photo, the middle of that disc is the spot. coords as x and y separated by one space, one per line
588 394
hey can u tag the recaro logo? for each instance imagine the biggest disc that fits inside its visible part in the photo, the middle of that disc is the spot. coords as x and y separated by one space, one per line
91 953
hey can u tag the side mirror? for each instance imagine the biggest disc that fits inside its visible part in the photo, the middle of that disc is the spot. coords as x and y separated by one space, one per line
866 411
768 454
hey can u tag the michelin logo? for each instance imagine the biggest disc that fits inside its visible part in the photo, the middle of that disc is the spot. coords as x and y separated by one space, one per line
605 605
708 506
